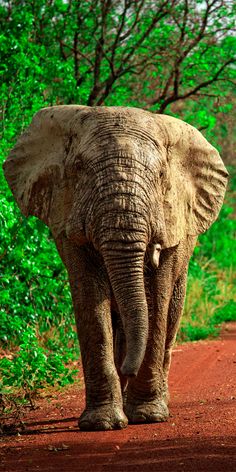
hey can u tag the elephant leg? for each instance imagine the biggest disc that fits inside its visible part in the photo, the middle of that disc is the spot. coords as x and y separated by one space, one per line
91 298
119 343
174 316
146 394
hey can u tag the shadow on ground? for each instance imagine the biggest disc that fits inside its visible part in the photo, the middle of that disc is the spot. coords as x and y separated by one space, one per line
179 455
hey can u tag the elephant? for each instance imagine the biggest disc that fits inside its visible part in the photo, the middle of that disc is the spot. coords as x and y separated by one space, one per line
125 193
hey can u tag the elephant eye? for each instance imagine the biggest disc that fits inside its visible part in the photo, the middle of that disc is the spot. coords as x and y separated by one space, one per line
161 174
79 166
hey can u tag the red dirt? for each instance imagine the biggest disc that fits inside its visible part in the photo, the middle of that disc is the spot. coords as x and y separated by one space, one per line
199 436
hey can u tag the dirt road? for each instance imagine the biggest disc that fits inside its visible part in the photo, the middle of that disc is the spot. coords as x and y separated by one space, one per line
199 436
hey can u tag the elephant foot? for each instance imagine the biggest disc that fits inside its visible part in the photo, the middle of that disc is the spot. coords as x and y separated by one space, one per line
153 412
103 418
166 397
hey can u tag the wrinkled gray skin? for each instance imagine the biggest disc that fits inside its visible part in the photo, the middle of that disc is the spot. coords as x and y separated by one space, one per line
125 194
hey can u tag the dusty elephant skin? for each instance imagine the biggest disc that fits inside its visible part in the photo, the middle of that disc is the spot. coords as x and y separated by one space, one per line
125 193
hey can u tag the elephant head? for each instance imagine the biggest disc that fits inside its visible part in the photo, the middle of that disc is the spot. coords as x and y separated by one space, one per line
125 180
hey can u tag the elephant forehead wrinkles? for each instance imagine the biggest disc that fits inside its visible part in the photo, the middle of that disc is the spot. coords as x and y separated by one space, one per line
126 142
119 127
103 132
121 153
113 118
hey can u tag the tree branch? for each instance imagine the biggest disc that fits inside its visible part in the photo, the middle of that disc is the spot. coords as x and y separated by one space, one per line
175 98
97 86
162 12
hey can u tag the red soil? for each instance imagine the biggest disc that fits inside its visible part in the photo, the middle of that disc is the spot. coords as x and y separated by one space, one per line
199 436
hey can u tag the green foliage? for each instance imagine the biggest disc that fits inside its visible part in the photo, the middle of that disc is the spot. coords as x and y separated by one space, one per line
33 367
36 317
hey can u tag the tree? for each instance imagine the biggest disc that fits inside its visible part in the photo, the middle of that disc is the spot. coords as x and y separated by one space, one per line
132 52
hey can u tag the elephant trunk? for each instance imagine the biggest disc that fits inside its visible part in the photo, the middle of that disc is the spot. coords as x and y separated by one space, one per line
125 270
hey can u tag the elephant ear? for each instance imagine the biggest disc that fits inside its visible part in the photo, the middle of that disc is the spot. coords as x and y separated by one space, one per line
197 180
35 168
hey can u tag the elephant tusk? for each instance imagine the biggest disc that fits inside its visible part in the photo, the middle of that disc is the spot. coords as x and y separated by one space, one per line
154 251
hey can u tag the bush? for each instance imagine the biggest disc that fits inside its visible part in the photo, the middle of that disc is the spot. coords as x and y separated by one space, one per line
36 316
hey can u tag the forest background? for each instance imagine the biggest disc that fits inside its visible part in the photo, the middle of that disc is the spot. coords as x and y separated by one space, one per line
175 57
